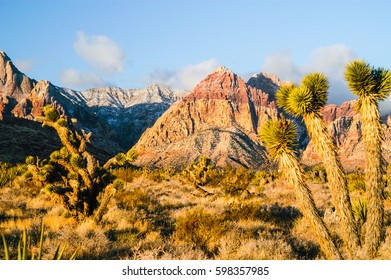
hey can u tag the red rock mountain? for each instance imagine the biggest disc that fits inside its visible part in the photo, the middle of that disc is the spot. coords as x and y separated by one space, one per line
219 119
344 126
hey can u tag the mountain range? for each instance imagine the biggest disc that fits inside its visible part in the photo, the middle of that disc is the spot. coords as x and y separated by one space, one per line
116 117
220 119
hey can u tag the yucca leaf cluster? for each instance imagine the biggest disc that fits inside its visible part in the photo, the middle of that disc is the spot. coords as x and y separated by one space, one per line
24 251
307 98
367 81
279 137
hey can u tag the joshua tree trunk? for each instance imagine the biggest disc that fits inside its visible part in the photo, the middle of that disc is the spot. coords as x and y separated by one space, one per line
372 134
328 151
294 175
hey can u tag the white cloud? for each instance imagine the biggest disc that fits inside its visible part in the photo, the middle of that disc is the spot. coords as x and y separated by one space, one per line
186 77
100 51
330 60
71 78
24 65
283 65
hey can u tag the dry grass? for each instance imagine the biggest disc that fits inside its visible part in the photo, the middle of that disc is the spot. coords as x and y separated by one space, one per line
165 217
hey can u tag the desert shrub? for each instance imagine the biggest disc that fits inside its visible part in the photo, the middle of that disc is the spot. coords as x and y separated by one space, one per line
202 173
262 178
318 174
9 172
356 182
30 160
127 174
200 229
144 208
118 184
278 215
135 198
235 181
360 211
235 246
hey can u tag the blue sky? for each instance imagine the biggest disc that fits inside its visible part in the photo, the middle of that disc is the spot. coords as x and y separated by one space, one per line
90 43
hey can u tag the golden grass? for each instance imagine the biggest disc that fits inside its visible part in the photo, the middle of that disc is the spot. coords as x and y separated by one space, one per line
147 219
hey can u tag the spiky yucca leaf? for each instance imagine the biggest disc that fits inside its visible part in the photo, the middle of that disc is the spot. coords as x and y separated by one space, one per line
279 136
6 248
359 76
121 158
59 252
382 80
318 85
282 96
301 102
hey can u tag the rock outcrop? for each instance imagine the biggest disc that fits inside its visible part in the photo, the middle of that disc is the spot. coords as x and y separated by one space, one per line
344 125
219 119
268 83
116 117
14 85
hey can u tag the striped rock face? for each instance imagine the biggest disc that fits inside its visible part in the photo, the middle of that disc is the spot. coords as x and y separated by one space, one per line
219 119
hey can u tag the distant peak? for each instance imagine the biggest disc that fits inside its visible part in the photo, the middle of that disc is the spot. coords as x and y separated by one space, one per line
269 76
154 86
223 70
4 56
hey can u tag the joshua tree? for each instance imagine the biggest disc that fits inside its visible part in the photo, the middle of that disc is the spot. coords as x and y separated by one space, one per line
122 159
200 173
371 86
306 101
279 137
72 175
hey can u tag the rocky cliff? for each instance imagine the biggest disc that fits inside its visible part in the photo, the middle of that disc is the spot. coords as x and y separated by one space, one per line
116 117
219 119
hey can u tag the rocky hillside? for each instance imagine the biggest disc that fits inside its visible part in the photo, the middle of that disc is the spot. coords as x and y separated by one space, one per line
129 112
116 117
267 83
219 119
